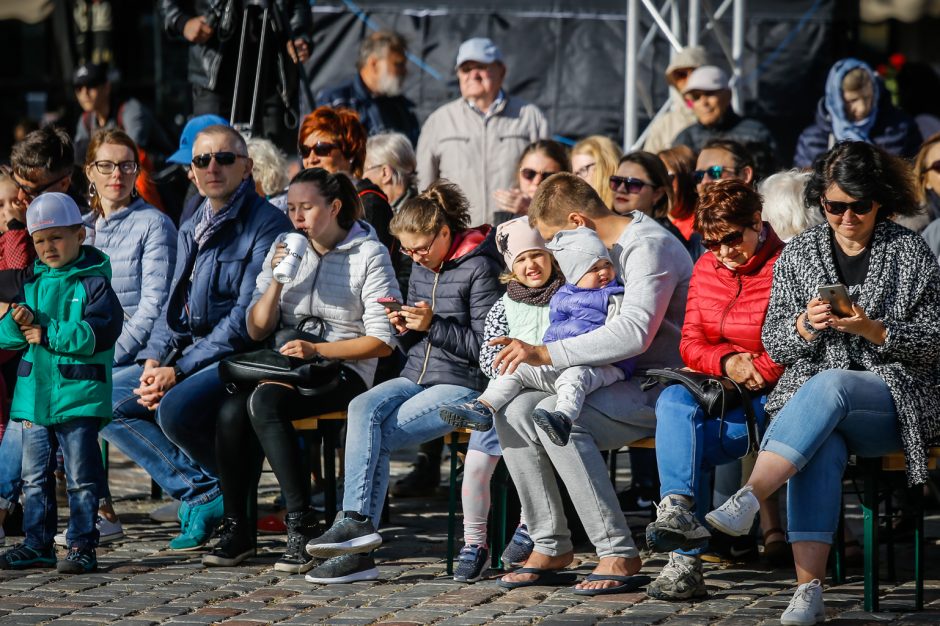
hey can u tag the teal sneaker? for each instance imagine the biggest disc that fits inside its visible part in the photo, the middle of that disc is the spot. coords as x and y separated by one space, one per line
78 561
201 522
23 556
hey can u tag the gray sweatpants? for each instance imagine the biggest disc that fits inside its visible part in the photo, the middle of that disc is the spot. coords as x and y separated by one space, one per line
570 385
611 417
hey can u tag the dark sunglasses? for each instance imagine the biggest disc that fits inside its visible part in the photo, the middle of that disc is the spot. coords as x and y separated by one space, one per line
30 192
714 173
859 207
321 149
632 185
731 240
530 174
202 161
935 166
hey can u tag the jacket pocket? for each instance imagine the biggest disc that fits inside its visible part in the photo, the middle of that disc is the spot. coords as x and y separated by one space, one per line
82 371
24 369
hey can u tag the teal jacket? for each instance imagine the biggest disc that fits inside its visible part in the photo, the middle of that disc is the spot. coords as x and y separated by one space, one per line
68 374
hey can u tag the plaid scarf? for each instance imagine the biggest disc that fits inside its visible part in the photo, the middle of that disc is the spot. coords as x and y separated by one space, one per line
210 222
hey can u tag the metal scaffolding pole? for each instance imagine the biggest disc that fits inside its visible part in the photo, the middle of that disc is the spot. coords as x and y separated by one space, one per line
629 86
737 56
694 21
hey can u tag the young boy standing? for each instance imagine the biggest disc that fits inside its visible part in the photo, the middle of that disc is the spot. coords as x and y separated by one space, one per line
69 318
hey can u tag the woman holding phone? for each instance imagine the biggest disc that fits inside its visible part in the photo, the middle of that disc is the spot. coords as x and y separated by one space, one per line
342 273
863 384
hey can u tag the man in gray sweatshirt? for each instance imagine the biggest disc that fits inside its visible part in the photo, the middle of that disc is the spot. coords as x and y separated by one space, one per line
656 269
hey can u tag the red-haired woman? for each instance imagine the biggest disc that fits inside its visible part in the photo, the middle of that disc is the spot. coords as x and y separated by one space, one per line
335 140
728 297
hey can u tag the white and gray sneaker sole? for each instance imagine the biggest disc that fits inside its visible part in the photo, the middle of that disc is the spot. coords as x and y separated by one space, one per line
358 545
213 560
369 574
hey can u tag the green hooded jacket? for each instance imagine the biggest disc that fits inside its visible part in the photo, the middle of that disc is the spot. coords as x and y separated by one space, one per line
68 374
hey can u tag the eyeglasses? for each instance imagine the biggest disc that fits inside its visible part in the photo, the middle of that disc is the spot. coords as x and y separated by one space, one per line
201 161
373 167
582 172
126 167
935 166
530 174
714 172
731 240
632 185
859 207
420 251
320 148
31 192
680 73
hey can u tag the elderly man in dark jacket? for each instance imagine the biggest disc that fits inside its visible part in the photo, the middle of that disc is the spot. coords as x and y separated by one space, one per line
165 407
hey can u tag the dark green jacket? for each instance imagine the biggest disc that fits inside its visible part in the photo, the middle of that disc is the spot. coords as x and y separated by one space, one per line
67 375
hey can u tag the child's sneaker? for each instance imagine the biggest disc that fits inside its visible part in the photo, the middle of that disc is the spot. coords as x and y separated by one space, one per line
23 556
471 563
473 415
78 561
519 549
108 531
556 425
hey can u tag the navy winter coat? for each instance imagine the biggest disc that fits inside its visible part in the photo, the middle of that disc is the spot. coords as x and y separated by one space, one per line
204 316
574 311
378 114
461 295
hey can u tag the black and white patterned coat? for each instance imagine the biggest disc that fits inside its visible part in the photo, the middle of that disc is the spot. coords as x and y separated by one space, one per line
902 290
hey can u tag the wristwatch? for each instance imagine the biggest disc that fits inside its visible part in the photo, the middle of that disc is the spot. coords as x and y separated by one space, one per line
807 326
178 373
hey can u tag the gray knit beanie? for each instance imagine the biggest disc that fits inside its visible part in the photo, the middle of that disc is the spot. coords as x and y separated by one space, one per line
576 251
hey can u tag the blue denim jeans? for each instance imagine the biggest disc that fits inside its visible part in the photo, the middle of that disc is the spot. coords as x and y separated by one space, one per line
690 445
11 465
388 417
152 440
834 414
78 439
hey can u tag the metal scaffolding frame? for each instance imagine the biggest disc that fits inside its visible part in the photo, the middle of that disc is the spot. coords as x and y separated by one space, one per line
671 30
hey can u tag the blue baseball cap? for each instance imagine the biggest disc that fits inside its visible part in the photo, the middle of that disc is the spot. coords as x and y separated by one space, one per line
184 155
51 210
479 49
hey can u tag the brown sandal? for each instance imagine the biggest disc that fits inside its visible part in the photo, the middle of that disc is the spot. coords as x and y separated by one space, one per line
777 553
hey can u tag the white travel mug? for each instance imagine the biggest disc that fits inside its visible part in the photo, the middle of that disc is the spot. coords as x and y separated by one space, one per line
286 270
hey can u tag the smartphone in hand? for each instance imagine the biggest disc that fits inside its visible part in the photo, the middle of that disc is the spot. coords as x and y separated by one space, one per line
390 303
838 297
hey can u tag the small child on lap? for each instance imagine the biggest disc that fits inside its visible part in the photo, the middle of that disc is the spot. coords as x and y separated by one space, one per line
68 320
590 298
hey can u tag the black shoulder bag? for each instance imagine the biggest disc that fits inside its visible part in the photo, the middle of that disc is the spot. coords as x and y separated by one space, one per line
715 394
311 377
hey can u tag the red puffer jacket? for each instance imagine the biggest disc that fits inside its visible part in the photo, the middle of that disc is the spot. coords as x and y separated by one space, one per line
726 309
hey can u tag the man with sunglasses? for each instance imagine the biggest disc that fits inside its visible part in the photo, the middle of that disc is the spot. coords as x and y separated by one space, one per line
723 159
165 407
664 128
710 96
476 140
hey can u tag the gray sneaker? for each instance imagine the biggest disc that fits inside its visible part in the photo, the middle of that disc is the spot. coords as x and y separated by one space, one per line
346 568
681 579
675 528
347 535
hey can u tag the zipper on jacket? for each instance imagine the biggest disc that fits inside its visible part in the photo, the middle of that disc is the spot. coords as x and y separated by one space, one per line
427 354
724 314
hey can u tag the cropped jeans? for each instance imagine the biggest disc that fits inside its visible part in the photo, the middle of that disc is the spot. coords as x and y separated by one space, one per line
834 414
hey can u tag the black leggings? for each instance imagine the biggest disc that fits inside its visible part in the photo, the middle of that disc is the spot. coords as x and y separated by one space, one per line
256 424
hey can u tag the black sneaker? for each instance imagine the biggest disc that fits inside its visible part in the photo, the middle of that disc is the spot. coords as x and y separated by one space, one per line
236 543
420 482
78 561
473 415
346 568
556 425
347 535
471 563
22 556
301 528
723 548
519 548
637 499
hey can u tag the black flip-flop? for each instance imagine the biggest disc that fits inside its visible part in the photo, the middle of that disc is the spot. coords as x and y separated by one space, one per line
627 584
546 578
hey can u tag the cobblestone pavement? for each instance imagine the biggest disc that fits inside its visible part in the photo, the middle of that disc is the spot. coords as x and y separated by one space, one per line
141 583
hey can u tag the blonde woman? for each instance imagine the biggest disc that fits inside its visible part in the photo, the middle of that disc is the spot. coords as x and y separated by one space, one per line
594 159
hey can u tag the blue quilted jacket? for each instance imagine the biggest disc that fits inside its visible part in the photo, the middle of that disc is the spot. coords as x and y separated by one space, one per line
574 311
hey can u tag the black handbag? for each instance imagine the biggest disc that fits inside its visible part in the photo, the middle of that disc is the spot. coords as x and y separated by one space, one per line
311 377
715 394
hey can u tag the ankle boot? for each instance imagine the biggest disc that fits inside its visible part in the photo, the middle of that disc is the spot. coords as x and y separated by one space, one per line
301 528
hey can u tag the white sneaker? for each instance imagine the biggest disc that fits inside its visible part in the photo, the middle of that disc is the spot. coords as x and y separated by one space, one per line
107 532
806 606
736 516
168 512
